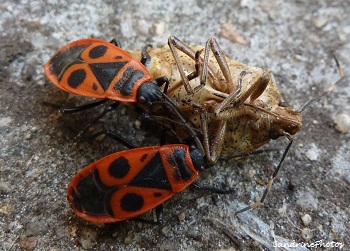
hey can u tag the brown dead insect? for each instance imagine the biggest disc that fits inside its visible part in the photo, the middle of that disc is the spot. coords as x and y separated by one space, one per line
238 108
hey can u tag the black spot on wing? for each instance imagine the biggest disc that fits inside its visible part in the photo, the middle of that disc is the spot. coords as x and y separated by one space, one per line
152 175
93 197
106 72
98 51
63 59
157 194
119 168
131 202
76 78
143 157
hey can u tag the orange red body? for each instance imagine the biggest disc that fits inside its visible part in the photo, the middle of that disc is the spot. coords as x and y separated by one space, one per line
99 69
126 184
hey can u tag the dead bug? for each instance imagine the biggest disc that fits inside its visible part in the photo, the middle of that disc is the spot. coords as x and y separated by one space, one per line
238 108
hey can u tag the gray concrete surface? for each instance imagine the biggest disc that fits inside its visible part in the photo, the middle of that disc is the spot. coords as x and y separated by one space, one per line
39 155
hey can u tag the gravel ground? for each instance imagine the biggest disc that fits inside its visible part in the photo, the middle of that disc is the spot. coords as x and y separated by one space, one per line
309 201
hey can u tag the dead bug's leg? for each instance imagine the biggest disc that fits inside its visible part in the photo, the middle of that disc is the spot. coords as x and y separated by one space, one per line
235 97
212 45
172 44
269 184
212 151
242 155
344 79
190 76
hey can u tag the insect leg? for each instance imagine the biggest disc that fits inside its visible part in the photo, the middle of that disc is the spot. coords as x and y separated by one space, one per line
114 136
213 150
116 42
161 81
159 215
269 184
344 79
111 107
67 110
212 45
174 43
236 97
145 57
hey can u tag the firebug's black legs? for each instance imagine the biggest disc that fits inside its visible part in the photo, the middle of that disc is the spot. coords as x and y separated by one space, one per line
161 81
159 215
146 60
116 42
111 107
114 136
74 109
145 57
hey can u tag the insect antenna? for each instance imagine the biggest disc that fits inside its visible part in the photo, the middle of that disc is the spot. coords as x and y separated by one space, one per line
344 79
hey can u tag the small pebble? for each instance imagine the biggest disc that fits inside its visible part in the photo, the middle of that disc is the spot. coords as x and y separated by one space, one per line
142 27
129 238
158 28
29 243
342 122
87 238
306 233
4 188
137 124
306 218
6 209
313 153
181 216
320 22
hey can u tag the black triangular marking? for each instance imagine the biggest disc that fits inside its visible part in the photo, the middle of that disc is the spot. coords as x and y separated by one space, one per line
152 175
105 72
